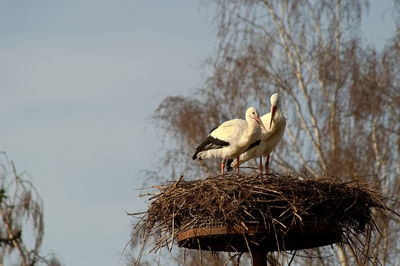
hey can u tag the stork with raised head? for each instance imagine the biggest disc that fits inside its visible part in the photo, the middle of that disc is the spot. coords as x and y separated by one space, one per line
231 138
269 139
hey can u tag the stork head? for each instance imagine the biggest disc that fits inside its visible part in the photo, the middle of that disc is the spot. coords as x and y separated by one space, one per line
252 113
275 104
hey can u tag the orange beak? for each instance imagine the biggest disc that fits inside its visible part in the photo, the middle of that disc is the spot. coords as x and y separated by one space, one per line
261 123
273 110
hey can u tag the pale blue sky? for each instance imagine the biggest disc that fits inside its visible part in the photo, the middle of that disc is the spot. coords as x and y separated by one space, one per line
79 81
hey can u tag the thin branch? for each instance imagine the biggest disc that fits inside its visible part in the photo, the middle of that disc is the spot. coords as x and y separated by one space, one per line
295 145
297 71
15 243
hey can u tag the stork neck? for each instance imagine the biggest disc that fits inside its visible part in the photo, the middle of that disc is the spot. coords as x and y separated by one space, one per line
278 115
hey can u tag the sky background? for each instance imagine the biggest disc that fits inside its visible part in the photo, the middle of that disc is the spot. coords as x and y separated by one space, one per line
79 82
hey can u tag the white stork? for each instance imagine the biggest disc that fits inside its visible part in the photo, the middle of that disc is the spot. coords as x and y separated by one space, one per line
231 138
269 139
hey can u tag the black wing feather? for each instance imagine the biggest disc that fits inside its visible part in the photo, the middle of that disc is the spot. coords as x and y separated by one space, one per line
255 143
228 165
210 143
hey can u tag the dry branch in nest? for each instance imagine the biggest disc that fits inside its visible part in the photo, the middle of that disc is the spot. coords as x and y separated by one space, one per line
277 212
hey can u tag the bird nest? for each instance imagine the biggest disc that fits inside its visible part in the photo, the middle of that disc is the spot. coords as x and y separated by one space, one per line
268 213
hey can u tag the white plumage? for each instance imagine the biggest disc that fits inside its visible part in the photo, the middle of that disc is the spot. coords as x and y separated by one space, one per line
231 138
269 139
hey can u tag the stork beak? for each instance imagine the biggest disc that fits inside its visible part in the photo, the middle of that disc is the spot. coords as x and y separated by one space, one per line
261 123
273 110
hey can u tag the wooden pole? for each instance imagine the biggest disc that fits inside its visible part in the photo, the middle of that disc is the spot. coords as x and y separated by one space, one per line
259 257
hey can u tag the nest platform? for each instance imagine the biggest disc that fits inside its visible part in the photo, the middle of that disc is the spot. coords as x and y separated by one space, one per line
263 213
309 234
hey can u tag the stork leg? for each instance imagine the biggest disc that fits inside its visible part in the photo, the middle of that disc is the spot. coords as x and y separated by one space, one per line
261 165
267 165
222 167
237 165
